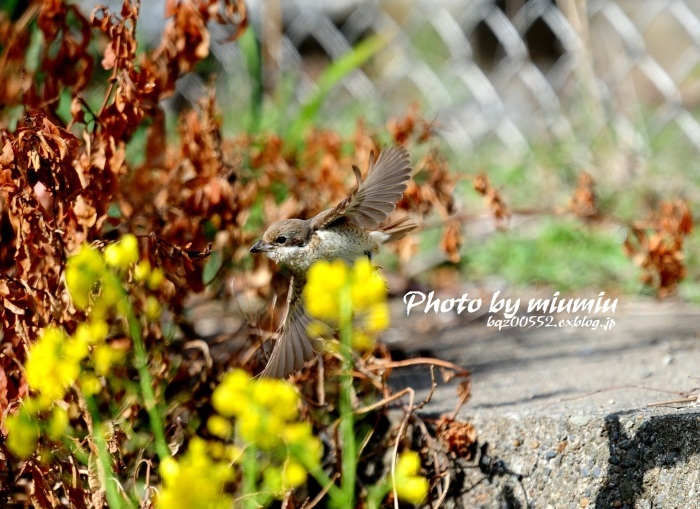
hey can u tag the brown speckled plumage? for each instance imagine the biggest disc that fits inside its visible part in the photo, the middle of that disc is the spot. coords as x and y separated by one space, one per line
347 231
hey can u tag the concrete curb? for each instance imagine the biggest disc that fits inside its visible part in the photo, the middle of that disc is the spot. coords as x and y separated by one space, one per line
565 410
636 459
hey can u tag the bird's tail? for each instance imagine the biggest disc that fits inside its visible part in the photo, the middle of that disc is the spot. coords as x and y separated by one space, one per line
397 229
294 347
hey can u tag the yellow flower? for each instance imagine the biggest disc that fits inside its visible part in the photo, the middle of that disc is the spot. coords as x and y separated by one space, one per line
368 287
293 474
219 426
130 245
367 290
91 333
58 424
155 279
277 396
152 308
75 349
122 253
84 269
89 384
53 364
195 481
408 464
377 317
413 489
232 395
142 270
324 282
22 433
261 428
105 356
279 480
169 469
266 413
297 432
98 330
410 486
307 447
272 480
232 453
112 290
79 287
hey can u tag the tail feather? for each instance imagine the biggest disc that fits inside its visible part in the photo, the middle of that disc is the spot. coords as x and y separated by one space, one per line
294 347
398 229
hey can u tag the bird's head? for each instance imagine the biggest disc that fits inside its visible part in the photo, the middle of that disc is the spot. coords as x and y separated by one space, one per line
282 240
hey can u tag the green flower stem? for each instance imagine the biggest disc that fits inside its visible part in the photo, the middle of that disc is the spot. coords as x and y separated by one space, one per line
141 362
77 451
301 455
114 500
377 493
250 474
326 482
347 431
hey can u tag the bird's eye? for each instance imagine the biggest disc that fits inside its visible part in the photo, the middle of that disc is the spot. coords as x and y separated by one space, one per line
281 239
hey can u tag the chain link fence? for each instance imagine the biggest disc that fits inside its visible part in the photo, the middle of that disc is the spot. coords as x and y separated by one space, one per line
511 71
505 71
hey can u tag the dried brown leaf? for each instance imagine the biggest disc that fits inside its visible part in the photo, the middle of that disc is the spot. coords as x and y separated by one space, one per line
459 437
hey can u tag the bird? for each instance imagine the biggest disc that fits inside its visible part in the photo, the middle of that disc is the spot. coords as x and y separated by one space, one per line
350 230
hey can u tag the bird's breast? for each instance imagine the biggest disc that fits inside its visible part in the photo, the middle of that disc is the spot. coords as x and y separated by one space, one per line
346 242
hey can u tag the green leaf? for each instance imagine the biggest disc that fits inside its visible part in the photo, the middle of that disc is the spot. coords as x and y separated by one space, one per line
212 266
114 211
333 75
252 54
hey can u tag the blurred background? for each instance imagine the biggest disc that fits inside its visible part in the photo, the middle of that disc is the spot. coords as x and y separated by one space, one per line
531 93
510 72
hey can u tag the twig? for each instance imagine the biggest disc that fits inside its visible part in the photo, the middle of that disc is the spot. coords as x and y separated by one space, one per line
322 493
463 397
320 391
401 431
689 399
608 389
383 402
419 361
433 386
445 489
434 451
201 345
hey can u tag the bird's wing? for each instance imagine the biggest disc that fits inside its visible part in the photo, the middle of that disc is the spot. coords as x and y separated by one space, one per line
294 347
376 197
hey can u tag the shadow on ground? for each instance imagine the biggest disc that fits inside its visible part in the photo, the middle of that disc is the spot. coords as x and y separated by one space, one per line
660 442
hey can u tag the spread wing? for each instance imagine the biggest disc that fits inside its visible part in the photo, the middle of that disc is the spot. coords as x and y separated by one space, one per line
294 347
376 197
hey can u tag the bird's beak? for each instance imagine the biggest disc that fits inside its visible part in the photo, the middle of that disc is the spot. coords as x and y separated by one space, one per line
261 247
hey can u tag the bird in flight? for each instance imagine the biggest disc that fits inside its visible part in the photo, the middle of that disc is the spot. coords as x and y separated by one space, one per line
350 230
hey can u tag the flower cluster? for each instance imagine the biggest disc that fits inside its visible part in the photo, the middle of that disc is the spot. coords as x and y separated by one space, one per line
54 361
367 294
57 361
262 416
263 407
196 480
23 429
267 417
94 279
